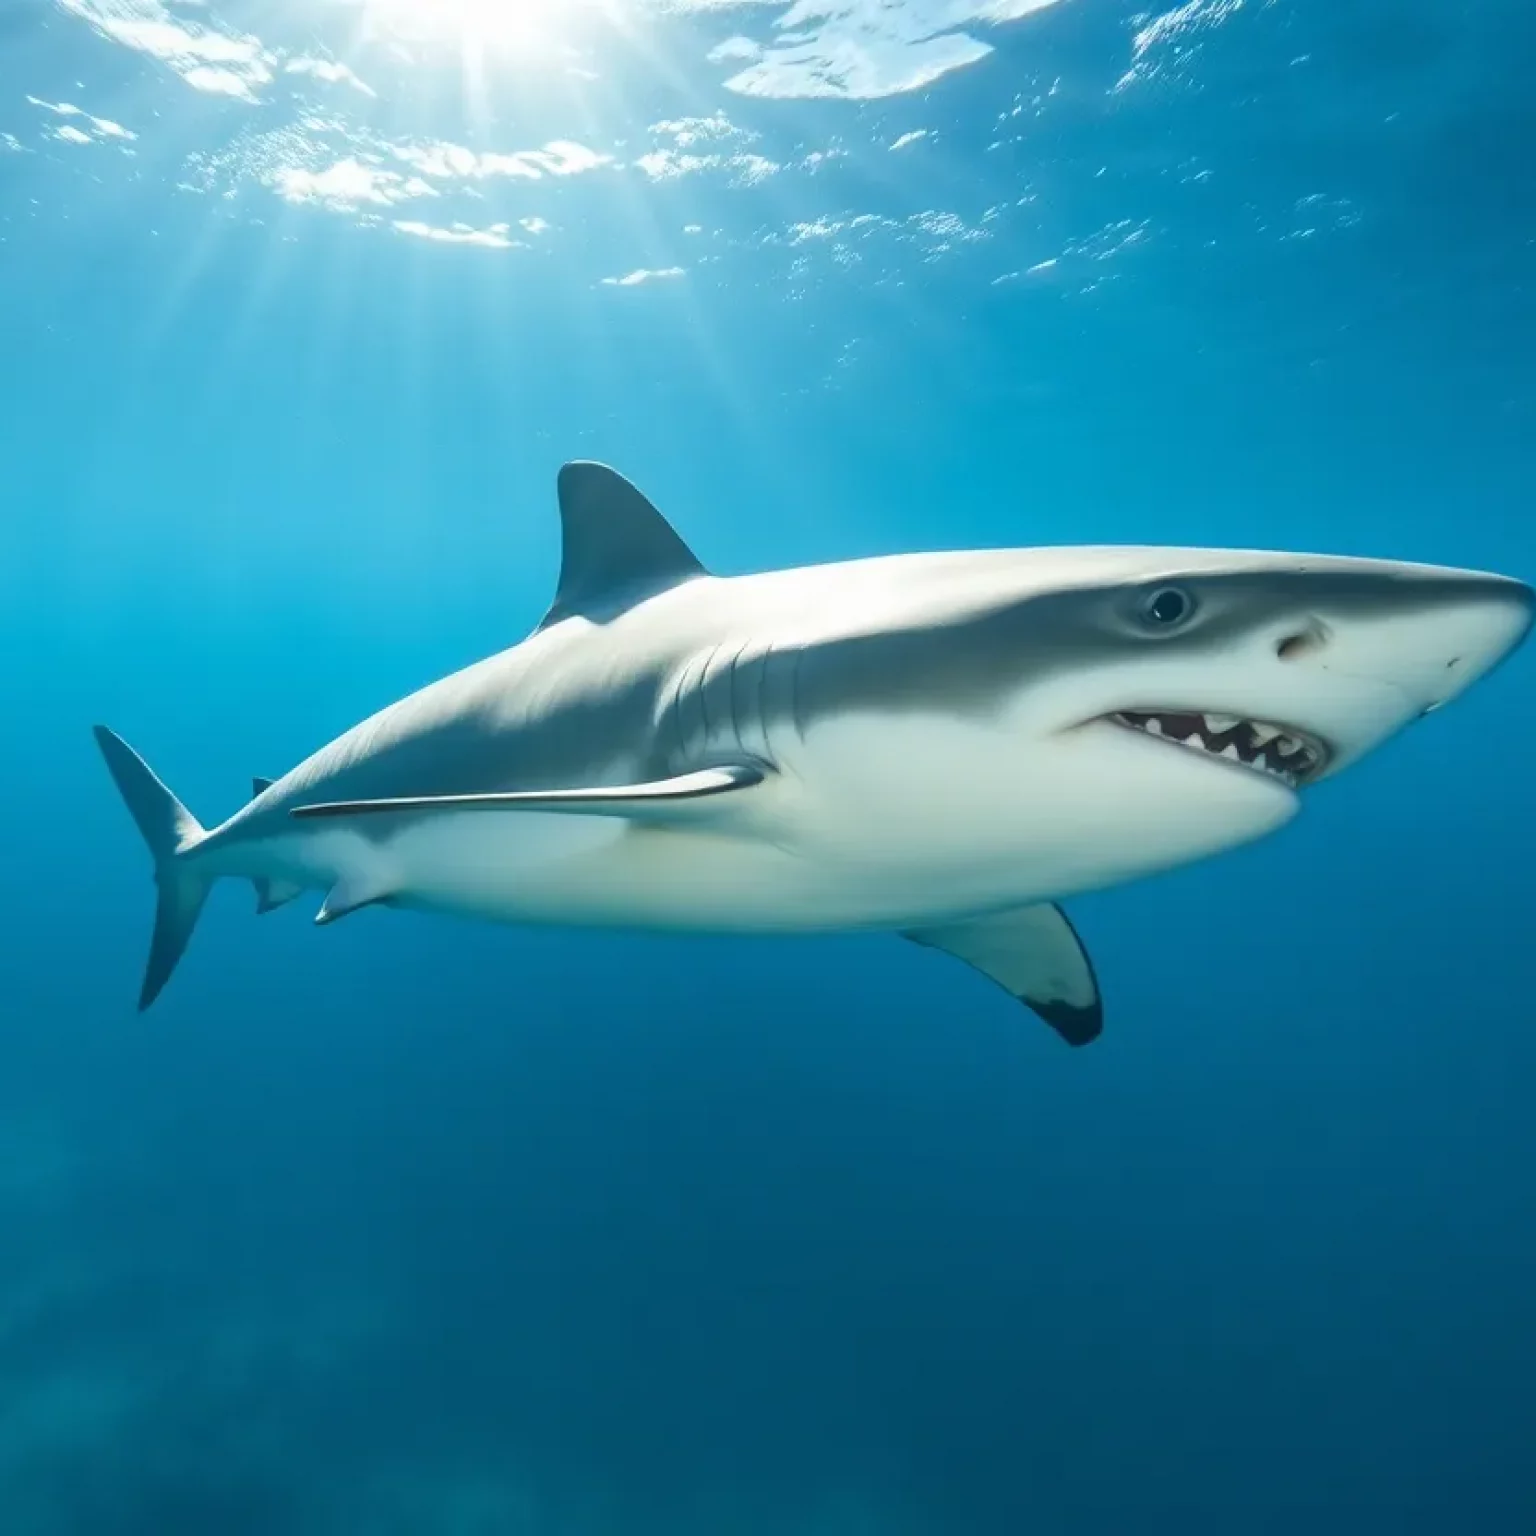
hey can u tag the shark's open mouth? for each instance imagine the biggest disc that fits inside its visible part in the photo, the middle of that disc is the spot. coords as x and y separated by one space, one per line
1276 750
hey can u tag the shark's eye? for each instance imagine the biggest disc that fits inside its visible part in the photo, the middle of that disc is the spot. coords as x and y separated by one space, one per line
1167 608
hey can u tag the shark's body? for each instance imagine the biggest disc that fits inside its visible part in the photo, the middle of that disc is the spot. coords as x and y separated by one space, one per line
939 745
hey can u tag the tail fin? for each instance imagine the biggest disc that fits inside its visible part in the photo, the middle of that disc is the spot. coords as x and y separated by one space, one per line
171 830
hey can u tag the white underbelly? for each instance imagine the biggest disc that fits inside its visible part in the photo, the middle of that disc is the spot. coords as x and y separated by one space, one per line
610 872
750 871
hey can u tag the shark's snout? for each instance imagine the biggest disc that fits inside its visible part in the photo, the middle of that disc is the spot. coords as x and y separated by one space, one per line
1430 644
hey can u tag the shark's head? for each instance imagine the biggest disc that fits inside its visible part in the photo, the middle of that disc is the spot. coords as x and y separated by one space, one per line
1118 711
1287 668
1210 688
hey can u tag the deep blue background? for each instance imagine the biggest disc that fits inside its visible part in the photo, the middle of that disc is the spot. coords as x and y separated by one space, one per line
410 1226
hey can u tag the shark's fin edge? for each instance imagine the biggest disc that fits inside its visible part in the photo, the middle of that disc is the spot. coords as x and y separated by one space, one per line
178 906
259 787
636 801
171 832
351 894
616 548
1035 955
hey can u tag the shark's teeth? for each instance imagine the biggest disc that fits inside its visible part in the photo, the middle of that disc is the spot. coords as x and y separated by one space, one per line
1268 749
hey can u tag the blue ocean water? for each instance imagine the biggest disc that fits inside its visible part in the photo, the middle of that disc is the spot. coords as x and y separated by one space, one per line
410 1226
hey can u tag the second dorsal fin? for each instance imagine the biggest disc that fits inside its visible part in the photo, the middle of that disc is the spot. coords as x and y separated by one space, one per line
616 548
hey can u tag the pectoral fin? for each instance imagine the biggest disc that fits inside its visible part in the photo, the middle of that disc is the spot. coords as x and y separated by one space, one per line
632 800
1035 954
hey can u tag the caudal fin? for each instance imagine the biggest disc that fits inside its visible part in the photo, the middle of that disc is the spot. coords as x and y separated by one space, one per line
171 830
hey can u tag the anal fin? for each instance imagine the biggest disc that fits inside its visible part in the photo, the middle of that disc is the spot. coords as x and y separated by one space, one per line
1034 954
272 894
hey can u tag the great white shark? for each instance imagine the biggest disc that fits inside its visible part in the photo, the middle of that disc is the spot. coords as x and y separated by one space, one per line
942 746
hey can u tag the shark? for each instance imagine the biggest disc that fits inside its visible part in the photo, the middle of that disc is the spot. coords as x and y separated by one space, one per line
943 746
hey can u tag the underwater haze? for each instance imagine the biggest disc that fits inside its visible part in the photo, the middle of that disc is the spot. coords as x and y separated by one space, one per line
413 1227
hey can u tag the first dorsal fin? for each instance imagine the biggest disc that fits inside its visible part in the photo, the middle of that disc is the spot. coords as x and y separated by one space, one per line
616 548
259 787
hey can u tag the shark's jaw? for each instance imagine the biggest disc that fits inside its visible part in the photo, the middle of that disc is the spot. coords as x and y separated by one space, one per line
1282 753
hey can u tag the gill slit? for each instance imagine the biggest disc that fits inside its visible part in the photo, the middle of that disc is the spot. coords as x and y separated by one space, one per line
765 667
756 715
734 709
675 708
702 689
794 695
